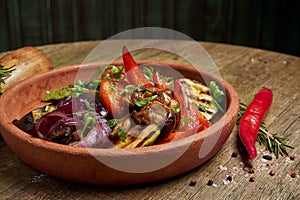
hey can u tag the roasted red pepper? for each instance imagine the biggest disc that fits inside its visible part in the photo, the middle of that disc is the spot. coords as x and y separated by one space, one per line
112 83
109 95
203 121
134 74
170 137
159 82
192 121
252 119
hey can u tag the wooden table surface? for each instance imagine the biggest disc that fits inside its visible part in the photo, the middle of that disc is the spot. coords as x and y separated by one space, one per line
248 70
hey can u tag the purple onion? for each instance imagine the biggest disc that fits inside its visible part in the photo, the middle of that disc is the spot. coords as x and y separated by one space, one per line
48 122
69 115
96 138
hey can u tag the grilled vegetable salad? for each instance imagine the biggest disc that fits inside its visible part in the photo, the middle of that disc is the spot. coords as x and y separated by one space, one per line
127 107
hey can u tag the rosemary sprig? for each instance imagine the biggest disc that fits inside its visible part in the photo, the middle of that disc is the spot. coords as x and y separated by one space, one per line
272 142
4 74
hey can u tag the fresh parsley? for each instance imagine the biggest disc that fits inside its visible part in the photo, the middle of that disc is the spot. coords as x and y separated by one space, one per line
144 101
121 134
116 72
112 122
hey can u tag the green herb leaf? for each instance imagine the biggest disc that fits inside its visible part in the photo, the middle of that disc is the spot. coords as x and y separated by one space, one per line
214 102
176 110
184 120
88 105
112 122
144 101
202 107
89 122
116 72
217 94
148 71
113 87
58 94
121 134
73 90
128 89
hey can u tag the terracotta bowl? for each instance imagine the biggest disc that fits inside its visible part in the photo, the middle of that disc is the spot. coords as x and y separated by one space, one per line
109 166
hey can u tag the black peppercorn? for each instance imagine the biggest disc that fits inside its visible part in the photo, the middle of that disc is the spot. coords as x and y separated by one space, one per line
229 178
234 154
267 157
252 179
293 174
193 183
210 182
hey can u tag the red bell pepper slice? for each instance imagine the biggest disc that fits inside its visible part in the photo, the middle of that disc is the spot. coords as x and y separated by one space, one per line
159 82
203 121
109 95
170 138
134 74
192 121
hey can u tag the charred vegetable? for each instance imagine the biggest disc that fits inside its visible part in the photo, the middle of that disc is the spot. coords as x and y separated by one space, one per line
73 121
126 107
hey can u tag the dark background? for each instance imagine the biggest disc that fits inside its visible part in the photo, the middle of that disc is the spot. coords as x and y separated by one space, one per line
266 24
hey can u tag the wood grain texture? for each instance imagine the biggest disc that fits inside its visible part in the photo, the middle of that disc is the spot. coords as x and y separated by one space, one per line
248 70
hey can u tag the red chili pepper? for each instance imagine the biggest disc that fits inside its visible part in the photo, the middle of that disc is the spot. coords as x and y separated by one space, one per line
252 119
192 120
134 74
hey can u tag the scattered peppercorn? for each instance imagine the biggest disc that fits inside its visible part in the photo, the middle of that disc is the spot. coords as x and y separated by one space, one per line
267 157
252 179
234 154
210 182
293 174
272 173
250 165
229 178
292 157
193 183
